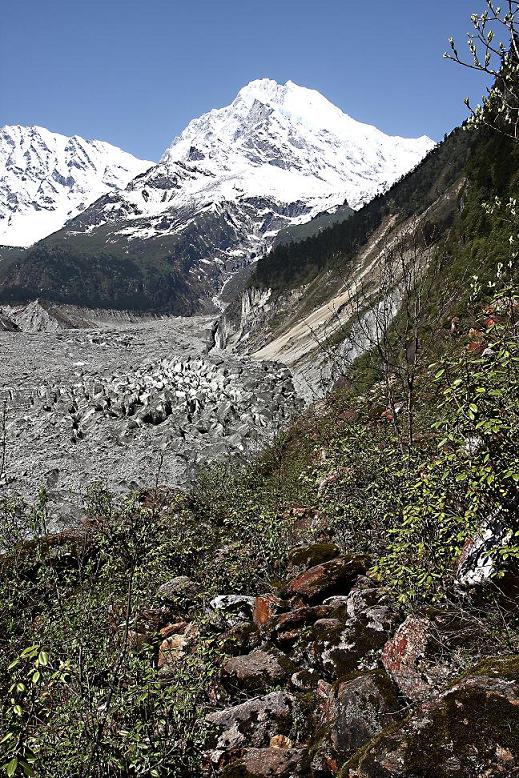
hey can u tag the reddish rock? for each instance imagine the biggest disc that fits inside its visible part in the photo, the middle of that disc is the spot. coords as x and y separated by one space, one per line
173 629
175 647
410 658
265 607
269 763
301 617
302 558
333 577
280 741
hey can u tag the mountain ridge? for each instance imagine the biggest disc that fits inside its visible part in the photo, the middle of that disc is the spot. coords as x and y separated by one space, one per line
46 178
277 156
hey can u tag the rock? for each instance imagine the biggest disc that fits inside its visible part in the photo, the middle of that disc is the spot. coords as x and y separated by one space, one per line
470 731
269 763
476 564
304 557
254 722
300 617
353 638
180 592
257 670
324 580
173 629
361 708
232 609
411 659
265 607
173 648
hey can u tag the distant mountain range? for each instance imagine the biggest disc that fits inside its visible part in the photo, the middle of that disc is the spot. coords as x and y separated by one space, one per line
128 233
47 179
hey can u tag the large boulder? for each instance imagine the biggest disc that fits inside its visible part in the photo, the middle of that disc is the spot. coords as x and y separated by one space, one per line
323 580
361 708
257 670
412 659
352 640
252 723
469 731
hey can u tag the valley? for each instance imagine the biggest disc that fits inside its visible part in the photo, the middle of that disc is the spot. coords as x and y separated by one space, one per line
129 403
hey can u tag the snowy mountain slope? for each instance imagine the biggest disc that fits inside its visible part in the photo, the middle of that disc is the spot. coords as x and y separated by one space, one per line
227 185
47 178
288 142
284 143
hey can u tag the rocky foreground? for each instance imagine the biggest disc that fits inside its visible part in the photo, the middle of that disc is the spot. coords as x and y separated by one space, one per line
128 403
328 677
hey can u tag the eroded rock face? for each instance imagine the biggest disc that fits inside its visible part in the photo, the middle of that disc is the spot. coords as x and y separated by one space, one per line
470 731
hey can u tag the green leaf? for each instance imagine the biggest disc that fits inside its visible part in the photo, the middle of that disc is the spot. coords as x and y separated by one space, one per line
10 768
43 658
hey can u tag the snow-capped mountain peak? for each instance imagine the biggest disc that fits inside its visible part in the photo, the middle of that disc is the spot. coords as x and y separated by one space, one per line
275 157
47 178
288 142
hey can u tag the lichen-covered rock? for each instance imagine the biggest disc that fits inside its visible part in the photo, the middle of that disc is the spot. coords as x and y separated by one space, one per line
353 640
470 731
240 638
179 592
304 557
256 670
411 659
324 580
269 763
228 610
252 723
361 709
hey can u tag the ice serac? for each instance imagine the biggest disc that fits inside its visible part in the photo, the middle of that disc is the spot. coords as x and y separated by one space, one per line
47 178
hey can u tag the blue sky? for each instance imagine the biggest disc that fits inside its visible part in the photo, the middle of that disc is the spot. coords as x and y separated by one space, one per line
134 72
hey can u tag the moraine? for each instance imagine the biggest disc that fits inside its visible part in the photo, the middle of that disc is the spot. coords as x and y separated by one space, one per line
127 403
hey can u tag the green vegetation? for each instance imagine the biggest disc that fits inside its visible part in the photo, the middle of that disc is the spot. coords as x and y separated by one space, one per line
411 460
